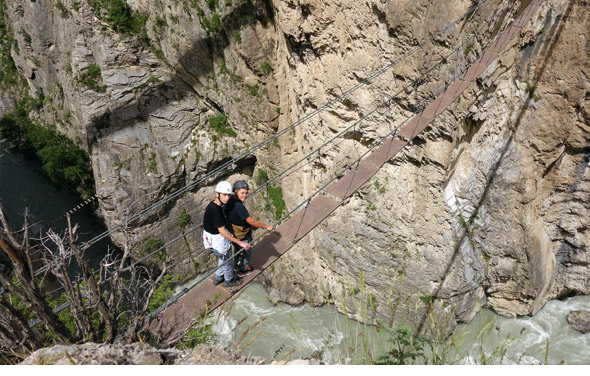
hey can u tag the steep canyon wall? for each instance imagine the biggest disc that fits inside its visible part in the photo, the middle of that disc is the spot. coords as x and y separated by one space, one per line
489 205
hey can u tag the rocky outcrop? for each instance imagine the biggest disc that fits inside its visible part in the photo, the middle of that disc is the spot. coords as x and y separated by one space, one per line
136 354
579 320
490 205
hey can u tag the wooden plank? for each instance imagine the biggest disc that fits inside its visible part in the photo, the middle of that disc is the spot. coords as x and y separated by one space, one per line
415 126
353 179
470 74
445 101
527 14
307 218
512 32
456 88
390 149
357 177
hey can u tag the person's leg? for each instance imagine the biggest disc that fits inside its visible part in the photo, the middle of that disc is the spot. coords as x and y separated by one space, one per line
246 254
223 272
228 268
237 259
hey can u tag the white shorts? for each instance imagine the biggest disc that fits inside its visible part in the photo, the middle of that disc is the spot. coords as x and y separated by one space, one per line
217 242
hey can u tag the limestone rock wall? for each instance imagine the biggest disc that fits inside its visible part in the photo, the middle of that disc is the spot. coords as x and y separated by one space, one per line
489 205
136 354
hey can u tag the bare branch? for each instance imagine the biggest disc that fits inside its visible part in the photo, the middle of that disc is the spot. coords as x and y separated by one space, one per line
94 290
26 244
6 229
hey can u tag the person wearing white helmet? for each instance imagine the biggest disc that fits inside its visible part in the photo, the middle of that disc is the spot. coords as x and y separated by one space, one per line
218 239
241 225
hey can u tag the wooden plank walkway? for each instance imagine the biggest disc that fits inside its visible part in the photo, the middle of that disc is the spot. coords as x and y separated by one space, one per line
206 297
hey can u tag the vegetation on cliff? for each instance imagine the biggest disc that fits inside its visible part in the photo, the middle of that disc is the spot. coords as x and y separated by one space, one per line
64 164
9 76
118 14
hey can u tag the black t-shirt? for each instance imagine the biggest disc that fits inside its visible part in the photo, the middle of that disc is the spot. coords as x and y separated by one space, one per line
213 219
236 212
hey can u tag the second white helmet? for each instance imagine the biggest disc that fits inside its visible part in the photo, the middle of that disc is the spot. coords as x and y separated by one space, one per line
223 187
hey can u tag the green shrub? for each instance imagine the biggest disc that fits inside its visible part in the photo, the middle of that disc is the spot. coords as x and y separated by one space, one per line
427 299
223 67
185 219
160 24
406 349
213 4
92 78
38 102
162 293
248 19
9 75
62 9
262 177
26 36
153 166
266 67
195 336
275 194
154 244
158 53
213 25
220 126
252 89
118 14
468 49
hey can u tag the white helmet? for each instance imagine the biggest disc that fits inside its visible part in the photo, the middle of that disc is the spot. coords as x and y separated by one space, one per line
223 187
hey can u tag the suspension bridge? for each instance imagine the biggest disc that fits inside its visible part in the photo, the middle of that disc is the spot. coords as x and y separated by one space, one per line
174 317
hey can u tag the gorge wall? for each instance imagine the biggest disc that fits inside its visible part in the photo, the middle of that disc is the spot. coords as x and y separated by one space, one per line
490 205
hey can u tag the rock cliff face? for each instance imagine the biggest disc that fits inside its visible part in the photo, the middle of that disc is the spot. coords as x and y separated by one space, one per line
136 354
490 204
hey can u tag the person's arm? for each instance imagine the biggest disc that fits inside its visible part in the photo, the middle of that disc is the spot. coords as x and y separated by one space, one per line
226 234
256 224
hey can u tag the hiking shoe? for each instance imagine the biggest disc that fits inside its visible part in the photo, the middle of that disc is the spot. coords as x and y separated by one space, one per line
217 281
243 273
233 282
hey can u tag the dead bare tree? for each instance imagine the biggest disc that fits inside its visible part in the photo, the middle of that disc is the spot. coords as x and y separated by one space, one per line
28 291
104 306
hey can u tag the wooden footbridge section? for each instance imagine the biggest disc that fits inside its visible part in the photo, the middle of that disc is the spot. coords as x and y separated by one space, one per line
205 297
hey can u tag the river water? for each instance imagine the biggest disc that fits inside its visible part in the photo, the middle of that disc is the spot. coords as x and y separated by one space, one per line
304 331
21 187
309 331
